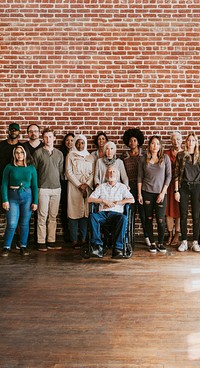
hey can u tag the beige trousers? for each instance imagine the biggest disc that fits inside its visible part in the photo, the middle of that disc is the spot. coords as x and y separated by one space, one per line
48 206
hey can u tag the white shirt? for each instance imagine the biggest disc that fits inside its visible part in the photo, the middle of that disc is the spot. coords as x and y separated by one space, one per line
118 192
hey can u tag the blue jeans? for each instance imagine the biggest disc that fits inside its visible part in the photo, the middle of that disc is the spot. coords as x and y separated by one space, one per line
20 211
116 219
150 205
76 225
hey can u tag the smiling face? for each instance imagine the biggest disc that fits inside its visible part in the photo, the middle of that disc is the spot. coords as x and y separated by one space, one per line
101 141
69 142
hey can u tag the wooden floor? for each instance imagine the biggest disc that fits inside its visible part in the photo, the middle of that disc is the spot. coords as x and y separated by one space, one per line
60 311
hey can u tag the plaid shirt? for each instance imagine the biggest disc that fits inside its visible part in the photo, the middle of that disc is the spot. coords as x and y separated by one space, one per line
118 192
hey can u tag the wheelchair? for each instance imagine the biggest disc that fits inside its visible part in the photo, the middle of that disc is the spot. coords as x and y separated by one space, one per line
107 236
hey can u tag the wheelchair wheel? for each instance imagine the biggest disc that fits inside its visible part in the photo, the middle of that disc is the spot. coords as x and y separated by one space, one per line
85 251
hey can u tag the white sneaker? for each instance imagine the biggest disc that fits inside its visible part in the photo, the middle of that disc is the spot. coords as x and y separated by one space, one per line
183 247
195 246
147 242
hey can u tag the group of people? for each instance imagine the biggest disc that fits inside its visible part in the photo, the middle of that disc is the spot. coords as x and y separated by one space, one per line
36 176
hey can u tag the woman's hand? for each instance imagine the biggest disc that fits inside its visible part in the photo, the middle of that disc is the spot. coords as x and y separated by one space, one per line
6 206
177 196
160 198
140 199
34 207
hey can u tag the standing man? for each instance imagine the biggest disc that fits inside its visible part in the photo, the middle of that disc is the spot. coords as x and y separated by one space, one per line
49 164
34 142
6 148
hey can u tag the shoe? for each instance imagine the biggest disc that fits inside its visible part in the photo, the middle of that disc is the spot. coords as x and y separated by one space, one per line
161 248
183 247
152 248
96 251
53 246
147 242
42 247
75 245
117 253
175 239
24 251
5 252
17 245
195 246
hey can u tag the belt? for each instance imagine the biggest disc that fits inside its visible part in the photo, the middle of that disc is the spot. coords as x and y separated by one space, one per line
12 187
193 182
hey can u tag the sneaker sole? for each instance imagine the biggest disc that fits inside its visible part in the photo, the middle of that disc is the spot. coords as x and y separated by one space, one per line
152 251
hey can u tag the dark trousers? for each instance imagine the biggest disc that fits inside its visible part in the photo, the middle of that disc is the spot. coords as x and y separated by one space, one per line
140 208
150 206
190 192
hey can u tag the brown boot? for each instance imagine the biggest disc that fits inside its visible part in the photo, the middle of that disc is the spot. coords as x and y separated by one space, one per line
175 239
170 236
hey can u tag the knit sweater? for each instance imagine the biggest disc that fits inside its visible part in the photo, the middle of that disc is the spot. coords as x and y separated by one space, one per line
22 176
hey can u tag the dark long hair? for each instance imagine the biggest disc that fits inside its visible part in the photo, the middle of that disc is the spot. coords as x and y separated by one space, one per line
63 147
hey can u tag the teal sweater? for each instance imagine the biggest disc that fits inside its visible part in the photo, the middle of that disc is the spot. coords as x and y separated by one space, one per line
25 177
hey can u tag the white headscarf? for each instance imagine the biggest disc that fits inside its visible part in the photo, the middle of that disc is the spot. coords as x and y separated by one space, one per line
83 153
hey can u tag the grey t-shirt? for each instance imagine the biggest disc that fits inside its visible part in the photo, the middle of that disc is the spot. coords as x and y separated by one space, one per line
154 176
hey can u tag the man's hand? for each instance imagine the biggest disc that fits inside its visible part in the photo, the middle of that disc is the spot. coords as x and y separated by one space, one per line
108 204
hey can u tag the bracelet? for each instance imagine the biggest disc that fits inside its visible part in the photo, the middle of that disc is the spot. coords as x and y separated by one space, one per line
176 191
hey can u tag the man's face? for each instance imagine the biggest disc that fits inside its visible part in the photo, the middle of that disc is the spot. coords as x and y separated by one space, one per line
112 174
33 132
13 133
49 139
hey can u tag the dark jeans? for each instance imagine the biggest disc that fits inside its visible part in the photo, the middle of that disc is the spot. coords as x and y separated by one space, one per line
76 226
150 205
140 208
190 192
116 219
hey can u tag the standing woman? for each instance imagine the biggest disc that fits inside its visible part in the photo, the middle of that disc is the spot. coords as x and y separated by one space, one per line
187 185
134 139
20 197
100 140
66 146
79 171
108 159
154 176
172 209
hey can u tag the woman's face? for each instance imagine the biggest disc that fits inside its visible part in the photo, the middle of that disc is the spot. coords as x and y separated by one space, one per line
69 142
191 142
101 141
133 143
110 151
19 154
176 141
80 144
154 146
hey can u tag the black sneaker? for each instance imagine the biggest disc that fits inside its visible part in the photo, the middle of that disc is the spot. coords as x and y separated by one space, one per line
5 252
42 247
24 251
53 246
152 248
161 248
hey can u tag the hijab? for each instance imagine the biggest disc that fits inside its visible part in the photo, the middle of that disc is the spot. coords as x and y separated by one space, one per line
83 153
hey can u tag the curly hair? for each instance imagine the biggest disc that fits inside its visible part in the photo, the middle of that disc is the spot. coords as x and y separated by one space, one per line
97 137
135 132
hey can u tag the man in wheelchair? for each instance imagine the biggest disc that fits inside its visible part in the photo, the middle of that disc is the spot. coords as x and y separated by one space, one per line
111 197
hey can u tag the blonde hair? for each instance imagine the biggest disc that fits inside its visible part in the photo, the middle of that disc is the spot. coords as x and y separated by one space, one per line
196 149
14 156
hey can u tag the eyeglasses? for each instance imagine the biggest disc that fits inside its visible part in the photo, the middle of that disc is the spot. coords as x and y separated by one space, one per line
33 131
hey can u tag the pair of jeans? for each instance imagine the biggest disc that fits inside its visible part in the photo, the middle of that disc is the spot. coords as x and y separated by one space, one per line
118 222
76 225
20 211
140 208
48 206
150 205
190 192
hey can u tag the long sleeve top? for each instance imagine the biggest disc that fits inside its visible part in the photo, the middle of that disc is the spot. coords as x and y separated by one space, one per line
22 176
100 171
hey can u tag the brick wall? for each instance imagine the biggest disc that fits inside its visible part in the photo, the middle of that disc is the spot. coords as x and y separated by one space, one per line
90 65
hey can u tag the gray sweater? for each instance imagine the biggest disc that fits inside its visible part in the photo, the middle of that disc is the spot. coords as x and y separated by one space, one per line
154 176
49 168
